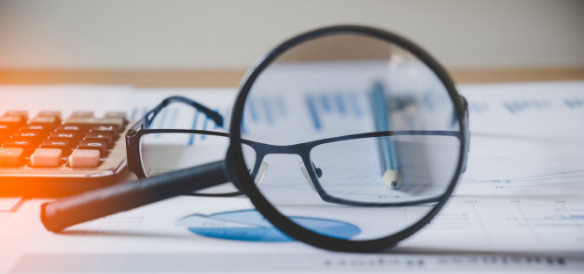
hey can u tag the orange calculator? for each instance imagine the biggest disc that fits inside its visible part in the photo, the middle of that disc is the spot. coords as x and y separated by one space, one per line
46 155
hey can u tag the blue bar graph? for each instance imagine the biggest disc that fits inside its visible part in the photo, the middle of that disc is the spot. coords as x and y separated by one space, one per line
173 118
162 118
355 104
574 103
313 112
252 109
267 111
326 105
281 106
340 103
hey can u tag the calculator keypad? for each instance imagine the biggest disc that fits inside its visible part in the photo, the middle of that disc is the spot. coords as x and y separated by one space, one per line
79 141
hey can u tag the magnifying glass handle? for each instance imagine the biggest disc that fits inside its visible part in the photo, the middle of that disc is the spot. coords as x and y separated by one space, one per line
91 205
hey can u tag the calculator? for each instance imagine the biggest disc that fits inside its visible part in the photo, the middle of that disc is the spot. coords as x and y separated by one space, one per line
50 156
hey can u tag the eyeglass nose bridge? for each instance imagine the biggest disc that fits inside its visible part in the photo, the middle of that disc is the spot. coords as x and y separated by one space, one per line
261 172
261 167
302 150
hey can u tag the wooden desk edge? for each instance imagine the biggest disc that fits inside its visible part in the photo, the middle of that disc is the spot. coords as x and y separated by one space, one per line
232 78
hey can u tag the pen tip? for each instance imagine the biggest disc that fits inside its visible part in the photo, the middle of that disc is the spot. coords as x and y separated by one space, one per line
391 178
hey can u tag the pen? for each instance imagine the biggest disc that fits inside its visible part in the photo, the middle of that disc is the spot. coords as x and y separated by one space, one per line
390 175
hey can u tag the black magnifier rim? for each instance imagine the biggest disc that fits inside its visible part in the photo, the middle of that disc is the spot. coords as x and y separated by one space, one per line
239 174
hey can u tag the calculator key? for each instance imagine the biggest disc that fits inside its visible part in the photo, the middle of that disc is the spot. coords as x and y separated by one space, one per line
104 129
82 114
84 158
109 130
87 123
46 157
97 145
35 128
69 129
27 146
10 156
21 113
12 122
27 136
63 145
92 136
60 136
31 136
40 131
47 121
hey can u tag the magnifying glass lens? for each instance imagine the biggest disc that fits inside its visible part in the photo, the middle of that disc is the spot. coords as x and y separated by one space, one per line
350 136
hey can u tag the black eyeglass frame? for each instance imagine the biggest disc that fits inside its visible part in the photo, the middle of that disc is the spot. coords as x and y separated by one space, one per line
241 177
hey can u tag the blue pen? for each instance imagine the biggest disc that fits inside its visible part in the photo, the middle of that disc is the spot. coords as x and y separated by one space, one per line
390 175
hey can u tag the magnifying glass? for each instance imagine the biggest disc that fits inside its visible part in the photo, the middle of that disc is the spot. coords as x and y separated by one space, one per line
349 123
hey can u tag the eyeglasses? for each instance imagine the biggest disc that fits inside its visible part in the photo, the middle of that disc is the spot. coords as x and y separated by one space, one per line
346 123
156 151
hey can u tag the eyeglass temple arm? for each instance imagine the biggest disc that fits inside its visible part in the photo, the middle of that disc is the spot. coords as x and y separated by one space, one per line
213 115
91 205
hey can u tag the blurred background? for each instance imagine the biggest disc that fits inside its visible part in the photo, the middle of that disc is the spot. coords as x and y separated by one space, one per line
125 36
